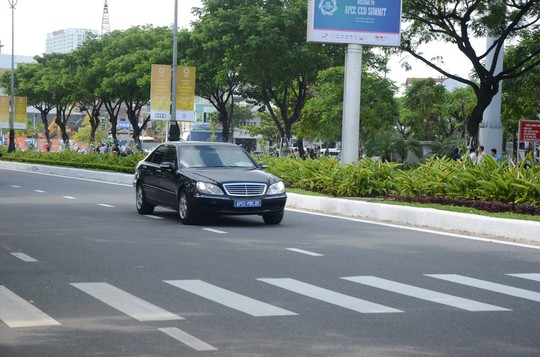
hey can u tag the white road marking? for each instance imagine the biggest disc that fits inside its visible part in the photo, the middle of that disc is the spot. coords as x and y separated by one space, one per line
39 191
532 276
305 252
329 296
69 197
105 205
187 339
487 285
15 186
230 299
424 294
431 231
24 257
152 216
214 230
125 302
17 312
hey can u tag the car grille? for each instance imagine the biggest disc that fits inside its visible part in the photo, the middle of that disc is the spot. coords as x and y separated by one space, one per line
245 189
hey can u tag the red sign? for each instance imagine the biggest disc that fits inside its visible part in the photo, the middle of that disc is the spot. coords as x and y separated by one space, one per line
529 130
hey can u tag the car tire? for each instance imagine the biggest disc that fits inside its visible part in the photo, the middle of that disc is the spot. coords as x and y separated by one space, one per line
273 218
143 207
185 210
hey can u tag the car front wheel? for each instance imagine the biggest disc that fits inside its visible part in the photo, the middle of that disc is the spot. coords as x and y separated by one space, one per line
273 218
143 207
185 210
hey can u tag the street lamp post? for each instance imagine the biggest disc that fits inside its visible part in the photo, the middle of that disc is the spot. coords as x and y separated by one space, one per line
174 134
11 146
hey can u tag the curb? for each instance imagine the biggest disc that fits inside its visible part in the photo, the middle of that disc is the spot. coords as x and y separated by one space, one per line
429 218
454 222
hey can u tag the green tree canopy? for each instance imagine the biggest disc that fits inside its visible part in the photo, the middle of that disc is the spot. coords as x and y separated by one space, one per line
521 95
458 23
322 117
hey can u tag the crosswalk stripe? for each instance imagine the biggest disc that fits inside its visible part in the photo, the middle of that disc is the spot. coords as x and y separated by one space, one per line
230 299
329 296
17 312
424 294
24 257
306 252
125 302
487 285
187 339
532 276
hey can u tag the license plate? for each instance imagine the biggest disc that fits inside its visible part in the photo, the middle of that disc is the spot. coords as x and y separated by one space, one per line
247 203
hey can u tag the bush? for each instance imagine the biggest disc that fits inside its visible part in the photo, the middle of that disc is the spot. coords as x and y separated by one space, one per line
489 185
106 162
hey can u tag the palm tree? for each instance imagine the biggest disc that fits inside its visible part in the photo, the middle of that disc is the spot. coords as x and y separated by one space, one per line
390 144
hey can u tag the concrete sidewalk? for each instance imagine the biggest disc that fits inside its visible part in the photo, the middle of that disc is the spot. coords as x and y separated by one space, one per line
467 224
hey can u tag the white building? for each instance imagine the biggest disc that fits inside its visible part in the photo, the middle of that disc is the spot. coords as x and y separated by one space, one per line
66 40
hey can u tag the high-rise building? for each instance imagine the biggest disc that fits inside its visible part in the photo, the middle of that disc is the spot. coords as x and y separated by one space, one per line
66 40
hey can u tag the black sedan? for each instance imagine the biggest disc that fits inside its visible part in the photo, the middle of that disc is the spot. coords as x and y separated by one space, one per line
207 178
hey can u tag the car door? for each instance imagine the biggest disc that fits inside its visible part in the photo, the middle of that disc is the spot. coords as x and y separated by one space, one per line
168 177
150 172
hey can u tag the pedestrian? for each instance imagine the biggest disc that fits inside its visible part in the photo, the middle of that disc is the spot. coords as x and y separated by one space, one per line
472 155
494 155
455 155
480 154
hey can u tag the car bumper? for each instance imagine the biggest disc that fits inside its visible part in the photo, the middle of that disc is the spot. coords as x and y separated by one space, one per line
212 205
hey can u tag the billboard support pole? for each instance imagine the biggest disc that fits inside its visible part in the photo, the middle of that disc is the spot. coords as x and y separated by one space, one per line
350 131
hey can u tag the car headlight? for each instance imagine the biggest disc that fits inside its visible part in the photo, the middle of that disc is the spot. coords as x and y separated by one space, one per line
276 188
208 188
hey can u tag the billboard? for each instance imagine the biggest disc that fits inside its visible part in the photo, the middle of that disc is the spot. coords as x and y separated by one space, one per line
363 22
185 93
160 92
4 112
19 120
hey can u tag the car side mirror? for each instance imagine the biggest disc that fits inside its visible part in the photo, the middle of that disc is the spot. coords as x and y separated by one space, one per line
262 165
167 165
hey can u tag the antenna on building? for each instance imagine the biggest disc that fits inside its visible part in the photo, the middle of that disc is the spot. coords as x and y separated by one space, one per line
105 26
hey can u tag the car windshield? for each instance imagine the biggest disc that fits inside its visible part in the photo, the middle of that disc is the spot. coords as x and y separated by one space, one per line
201 156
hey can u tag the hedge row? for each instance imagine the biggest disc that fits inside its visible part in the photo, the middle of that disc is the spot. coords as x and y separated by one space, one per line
505 183
106 162
509 183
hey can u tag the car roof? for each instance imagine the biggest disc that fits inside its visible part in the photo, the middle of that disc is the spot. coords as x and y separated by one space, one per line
197 143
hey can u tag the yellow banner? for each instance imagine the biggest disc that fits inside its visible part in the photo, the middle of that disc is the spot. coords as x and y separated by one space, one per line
185 93
160 92
4 112
20 113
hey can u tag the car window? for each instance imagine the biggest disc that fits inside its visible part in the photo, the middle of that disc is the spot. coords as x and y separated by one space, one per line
170 156
214 156
235 157
158 155
189 157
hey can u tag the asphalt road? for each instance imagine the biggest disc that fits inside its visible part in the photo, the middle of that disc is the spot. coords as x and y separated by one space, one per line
82 274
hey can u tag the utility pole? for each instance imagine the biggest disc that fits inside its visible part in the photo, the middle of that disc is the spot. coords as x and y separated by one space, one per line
11 146
172 133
